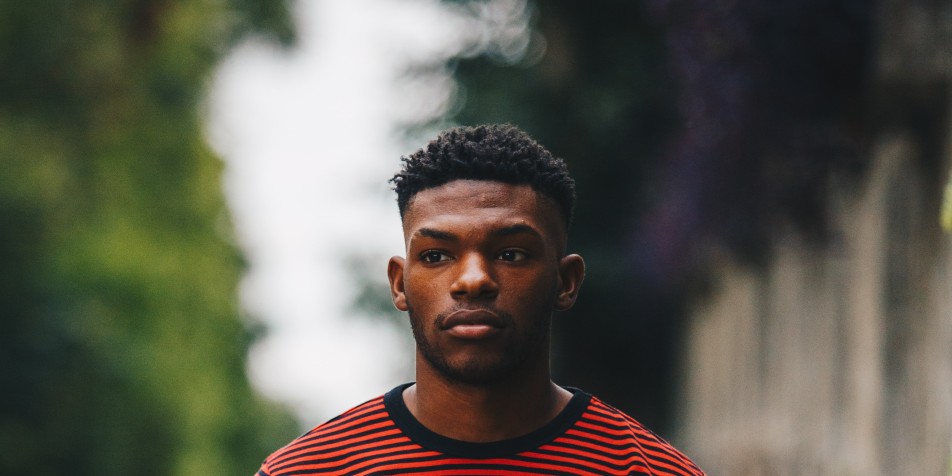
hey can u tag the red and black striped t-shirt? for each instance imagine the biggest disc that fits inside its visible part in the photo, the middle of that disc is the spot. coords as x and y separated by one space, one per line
381 437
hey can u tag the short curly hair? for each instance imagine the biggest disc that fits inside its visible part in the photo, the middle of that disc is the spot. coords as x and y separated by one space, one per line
496 152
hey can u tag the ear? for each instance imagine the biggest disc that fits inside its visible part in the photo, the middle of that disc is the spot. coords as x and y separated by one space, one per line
395 274
571 275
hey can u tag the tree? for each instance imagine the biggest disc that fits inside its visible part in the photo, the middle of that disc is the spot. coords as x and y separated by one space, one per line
121 347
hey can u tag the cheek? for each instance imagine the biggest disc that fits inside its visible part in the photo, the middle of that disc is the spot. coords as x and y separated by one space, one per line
421 290
415 283
538 286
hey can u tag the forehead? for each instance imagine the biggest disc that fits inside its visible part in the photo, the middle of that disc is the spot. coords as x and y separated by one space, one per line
473 202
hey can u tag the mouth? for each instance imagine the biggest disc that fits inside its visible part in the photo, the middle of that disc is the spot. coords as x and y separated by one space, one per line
472 324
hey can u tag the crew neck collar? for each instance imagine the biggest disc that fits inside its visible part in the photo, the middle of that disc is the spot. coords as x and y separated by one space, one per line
397 408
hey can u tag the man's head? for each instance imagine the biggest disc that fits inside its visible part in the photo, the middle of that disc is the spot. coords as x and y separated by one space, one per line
500 153
485 212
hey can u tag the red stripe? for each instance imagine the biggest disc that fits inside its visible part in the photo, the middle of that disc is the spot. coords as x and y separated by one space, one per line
383 453
373 406
602 469
682 470
303 457
340 441
621 452
459 461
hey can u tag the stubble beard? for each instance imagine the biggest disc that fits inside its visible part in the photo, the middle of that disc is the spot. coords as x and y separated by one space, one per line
482 372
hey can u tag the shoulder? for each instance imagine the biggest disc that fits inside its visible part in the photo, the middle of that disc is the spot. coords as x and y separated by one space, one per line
333 443
611 426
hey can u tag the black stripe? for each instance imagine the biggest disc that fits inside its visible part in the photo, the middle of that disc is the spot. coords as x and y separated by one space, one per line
330 435
514 469
355 413
603 433
618 463
347 450
346 468
667 457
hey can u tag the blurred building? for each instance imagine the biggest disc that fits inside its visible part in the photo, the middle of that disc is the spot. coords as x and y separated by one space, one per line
836 357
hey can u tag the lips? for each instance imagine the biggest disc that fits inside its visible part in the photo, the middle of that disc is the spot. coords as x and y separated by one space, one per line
472 324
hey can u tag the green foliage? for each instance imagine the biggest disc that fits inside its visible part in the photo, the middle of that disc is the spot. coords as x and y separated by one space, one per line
121 350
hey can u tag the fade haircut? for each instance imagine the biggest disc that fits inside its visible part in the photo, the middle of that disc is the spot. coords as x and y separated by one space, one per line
500 153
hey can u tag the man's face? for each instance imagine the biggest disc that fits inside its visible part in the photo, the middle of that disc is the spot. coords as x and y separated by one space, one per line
483 272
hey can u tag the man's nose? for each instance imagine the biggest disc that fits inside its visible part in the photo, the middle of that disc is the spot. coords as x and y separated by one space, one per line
475 278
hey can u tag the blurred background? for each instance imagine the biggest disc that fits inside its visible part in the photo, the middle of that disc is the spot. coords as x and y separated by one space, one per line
195 219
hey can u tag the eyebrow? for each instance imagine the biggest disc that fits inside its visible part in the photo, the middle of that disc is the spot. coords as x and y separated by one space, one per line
510 230
516 230
437 234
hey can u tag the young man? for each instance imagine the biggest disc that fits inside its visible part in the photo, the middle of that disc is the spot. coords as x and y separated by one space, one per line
485 217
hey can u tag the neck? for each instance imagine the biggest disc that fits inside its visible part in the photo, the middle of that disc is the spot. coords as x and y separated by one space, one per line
501 410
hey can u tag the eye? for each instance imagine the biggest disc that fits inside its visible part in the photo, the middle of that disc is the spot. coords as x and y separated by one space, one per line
433 256
512 255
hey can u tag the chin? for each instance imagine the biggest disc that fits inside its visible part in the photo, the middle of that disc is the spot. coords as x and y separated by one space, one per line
479 372
478 375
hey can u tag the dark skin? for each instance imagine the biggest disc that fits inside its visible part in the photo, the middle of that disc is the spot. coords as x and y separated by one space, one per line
485 269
